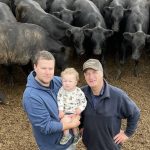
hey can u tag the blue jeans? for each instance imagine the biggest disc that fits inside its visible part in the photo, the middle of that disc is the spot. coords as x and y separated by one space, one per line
71 147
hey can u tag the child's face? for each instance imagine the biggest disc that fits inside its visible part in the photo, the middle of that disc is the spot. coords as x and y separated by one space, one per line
69 82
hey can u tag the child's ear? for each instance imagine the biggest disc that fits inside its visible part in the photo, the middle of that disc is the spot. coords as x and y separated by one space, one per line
77 82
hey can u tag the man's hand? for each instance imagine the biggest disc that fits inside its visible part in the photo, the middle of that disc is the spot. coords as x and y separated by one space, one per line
66 119
69 123
120 137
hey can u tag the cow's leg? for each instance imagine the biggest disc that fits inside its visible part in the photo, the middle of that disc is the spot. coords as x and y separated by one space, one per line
104 66
27 68
136 71
121 58
118 65
2 98
122 55
9 77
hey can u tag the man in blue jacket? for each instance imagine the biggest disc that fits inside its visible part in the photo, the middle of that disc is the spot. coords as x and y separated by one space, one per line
40 104
106 107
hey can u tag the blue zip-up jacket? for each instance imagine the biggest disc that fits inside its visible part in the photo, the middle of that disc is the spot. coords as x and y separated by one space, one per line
40 104
102 122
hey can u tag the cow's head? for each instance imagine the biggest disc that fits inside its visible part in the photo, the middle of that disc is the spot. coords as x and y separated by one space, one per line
76 35
21 10
66 15
137 41
24 9
116 14
98 36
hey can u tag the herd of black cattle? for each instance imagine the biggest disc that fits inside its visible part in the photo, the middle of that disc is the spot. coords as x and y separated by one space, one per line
89 27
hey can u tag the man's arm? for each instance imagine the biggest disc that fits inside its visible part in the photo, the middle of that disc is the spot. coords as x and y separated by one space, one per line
40 117
131 112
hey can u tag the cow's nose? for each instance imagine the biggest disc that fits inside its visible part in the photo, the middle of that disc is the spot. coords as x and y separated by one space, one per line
135 56
115 28
82 52
97 51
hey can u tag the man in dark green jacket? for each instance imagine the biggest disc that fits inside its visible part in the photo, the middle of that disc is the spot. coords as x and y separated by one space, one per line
106 107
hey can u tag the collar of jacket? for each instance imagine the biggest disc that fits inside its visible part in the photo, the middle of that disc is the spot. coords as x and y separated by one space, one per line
106 93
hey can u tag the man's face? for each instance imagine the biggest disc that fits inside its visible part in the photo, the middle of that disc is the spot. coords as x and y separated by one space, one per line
44 70
93 78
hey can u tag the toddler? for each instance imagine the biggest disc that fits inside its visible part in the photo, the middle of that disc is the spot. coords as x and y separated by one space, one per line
71 101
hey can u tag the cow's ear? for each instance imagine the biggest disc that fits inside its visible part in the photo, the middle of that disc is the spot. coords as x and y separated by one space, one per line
127 12
87 32
86 26
109 33
68 32
128 36
148 38
108 10
57 14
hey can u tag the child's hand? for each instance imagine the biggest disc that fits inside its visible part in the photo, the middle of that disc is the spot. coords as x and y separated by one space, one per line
78 111
61 114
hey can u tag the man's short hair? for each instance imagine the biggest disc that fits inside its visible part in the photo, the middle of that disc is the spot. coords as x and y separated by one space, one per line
43 55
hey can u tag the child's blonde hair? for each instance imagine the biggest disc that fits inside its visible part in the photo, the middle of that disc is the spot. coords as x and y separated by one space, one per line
70 71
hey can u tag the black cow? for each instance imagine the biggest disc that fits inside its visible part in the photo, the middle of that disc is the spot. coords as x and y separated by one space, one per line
31 12
8 2
6 14
115 12
45 4
42 3
88 13
136 32
12 6
66 15
6 17
2 98
61 9
101 4
19 42
59 5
